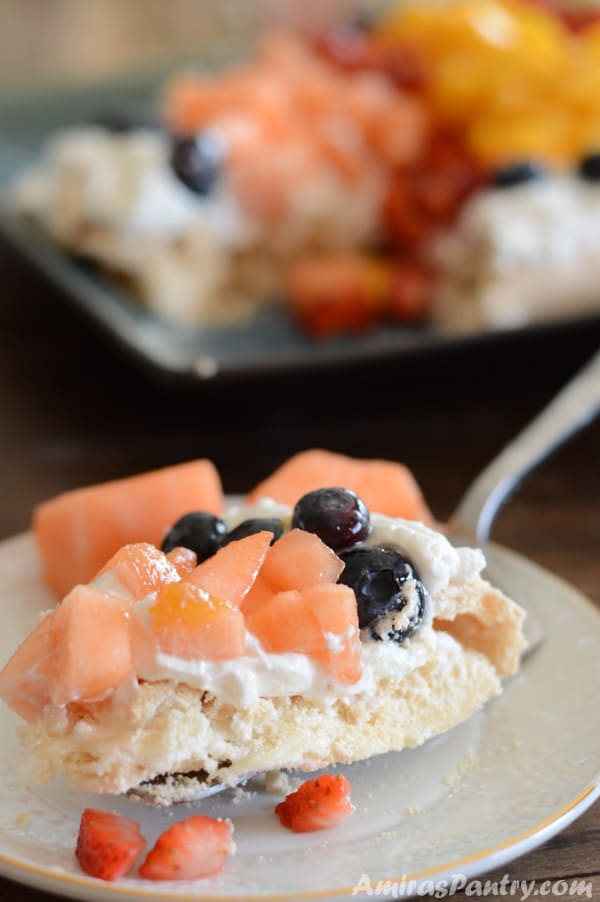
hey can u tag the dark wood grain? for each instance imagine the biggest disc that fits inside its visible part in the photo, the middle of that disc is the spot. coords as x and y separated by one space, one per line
73 410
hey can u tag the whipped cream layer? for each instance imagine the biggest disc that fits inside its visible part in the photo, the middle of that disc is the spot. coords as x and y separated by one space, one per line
241 681
90 177
520 254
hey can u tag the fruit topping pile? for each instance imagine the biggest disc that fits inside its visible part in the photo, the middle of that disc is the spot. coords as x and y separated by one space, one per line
507 87
306 582
509 75
326 168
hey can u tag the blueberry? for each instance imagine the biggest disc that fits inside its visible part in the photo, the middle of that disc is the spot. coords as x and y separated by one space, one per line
517 174
390 596
197 161
198 530
337 516
589 167
254 525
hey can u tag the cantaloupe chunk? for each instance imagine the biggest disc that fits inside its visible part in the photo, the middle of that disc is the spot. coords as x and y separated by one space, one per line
321 622
183 559
299 560
139 568
337 614
77 532
386 487
24 677
230 573
259 593
90 646
190 624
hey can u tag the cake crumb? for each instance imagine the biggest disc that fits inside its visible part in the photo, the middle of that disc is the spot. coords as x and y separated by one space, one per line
468 763
23 819
240 793
414 810
279 783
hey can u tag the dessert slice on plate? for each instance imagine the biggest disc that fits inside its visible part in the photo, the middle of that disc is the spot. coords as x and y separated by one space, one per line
276 637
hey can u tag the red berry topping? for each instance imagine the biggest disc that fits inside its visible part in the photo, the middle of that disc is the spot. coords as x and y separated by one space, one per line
190 849
410 292
330 295
108 844
317 805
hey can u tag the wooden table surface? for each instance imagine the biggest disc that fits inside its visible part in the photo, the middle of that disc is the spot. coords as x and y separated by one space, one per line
73 410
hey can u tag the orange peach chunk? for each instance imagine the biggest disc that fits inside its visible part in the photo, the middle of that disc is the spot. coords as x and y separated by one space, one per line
188 623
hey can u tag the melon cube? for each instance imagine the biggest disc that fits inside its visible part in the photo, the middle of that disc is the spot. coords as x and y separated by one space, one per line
259 593
230 573
183 559
90 646
336 611
139 569
299 560
78 531
321 622
385 486
24 677
284 623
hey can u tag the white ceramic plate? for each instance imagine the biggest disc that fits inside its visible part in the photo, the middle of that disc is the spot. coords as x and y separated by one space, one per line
488 791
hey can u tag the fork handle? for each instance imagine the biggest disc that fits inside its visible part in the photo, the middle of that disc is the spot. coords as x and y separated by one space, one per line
572 409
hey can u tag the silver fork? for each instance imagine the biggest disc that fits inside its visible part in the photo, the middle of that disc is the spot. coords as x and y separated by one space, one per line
571 410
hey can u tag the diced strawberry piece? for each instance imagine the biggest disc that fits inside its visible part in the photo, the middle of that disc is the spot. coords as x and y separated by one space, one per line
437 194
337 294
190 849
183 559
410 292
108 844
230 573
317 805
407 223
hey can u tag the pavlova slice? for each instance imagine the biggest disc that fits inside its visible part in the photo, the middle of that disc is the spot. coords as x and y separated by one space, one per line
274 637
